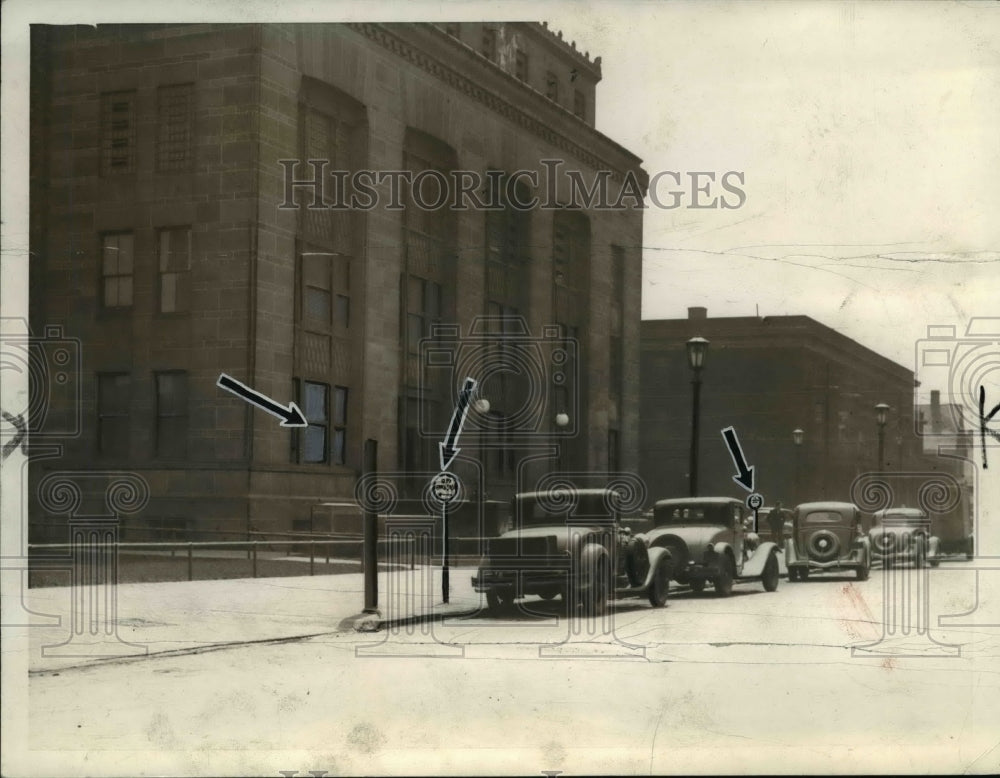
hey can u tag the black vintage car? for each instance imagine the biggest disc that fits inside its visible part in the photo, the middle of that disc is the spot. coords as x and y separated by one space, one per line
570 543
827 537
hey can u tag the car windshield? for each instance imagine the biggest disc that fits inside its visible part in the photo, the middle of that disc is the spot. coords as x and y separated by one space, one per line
824 517
687 514
560 509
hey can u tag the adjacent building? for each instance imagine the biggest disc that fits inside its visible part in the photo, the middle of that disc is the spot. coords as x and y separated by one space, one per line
768 377
195 211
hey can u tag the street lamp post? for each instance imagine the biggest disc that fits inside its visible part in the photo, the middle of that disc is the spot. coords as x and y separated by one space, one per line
696 348
881 414
561 420
797 436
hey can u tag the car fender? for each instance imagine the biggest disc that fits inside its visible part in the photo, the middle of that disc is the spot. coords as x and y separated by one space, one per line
933 547
721 549
754 566
590 555
791 552
657 556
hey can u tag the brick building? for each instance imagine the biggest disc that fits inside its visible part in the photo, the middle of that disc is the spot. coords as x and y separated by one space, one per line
171 234
768 377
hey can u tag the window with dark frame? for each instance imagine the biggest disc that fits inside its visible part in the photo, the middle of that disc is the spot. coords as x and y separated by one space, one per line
339 453
521 64
171 414
489 44
113 400
315 437
175 269
117 265
117 133
552 86
175 119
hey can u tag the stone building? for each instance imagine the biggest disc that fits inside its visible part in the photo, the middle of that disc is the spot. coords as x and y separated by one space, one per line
767 377
185 222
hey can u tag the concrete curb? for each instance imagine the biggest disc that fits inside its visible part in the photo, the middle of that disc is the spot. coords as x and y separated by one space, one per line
374 622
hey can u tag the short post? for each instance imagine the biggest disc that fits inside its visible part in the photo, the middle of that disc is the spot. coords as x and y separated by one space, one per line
254 552
444 553
190 562
312 556
370 546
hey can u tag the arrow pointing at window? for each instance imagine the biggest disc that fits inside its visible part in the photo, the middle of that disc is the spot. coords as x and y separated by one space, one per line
745 474
290 414
449 450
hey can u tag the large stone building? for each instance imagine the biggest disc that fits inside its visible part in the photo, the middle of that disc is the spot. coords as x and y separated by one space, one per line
179 189
768 377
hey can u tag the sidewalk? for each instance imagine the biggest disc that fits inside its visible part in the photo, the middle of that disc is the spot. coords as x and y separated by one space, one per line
190 616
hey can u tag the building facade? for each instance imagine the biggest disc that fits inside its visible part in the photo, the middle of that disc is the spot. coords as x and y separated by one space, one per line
207 199
768 377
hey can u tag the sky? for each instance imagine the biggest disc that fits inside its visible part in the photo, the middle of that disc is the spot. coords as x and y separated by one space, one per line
869 138
866 134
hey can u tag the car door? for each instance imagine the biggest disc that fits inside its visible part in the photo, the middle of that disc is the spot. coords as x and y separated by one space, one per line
736 523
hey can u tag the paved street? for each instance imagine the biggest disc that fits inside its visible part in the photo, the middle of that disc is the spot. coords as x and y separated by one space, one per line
756 682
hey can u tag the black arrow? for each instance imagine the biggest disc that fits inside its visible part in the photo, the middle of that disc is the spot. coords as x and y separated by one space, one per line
448 450
290 414
18 440
745 477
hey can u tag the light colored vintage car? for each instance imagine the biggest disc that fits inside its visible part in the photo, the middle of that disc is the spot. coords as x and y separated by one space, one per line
902 535
827 537
570 543
707 541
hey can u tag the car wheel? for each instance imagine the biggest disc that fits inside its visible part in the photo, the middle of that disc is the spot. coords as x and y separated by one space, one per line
724 578
771 574
660 585
697 585
919 556
793 574
497 601
863 570
595 599
548 594
803 574
934 562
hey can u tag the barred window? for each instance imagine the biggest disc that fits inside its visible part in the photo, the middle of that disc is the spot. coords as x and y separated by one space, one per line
175 269
315 406
175 115
117 133
339 453
117 254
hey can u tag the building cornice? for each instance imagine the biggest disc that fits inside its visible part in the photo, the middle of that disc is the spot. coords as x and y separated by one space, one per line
491 86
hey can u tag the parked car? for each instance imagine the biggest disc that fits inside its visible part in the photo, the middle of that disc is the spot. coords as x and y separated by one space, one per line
570 542
764 528
827 536
706 538
904 535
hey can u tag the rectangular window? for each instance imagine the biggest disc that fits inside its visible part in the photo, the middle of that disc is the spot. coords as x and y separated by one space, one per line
521 65
552 86
489 44
579 104
423 302
117 133
326 291
175 270
113 399
339 454
171 414
175 115
315 407
117 253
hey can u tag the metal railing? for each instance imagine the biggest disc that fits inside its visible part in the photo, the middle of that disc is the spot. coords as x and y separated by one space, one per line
251 546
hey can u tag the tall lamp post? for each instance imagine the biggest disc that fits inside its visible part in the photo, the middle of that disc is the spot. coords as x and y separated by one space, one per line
797 436
696 348
881 414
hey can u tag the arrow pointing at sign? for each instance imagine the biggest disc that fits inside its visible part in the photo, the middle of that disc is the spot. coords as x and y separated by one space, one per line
290 414
745 474
448 450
